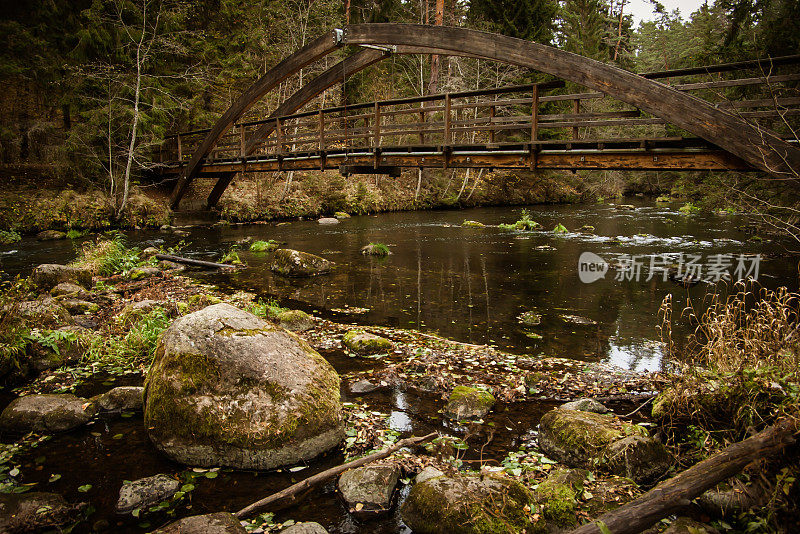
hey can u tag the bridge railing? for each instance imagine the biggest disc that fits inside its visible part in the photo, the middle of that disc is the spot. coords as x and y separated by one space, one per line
491 118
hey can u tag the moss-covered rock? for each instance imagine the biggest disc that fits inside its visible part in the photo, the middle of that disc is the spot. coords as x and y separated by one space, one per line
140 273
48 275
365 343
468 403
218 523
473 224
44 312
36 512
470 504
592 440
341 215
557 496
79 306
372 486
529 318
227 388
295 320
122 398
146 492
288 262
50 235
70 290
46 413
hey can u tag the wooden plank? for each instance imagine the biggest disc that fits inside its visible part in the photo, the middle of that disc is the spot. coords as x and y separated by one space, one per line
535 115
576 109
447 126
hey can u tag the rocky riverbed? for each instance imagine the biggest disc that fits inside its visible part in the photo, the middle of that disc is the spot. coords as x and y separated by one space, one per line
215 399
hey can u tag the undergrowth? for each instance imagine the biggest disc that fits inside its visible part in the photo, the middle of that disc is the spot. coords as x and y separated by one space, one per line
106 257
270 308
130 350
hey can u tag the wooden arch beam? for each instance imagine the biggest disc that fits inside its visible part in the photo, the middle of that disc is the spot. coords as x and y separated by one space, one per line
316 49
757 146
348 66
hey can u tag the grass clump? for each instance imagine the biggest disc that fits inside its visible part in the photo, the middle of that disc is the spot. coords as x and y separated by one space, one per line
106 257
75 234
133 349
376 249
524 223
560 229
264 246
9 237
232 256
14 333
689 209
270 308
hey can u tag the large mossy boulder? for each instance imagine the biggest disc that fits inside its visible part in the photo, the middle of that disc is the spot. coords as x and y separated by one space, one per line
46 413
295 263
557 496
591 440
470 504
365 343
468 403
49 275
227 388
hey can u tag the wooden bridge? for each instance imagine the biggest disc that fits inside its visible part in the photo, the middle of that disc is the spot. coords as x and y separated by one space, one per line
681 119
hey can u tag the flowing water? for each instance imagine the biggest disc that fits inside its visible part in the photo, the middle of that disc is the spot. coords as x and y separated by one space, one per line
467 284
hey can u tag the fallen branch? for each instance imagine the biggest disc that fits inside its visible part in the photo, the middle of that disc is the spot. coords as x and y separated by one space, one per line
296 492
193 263
674 494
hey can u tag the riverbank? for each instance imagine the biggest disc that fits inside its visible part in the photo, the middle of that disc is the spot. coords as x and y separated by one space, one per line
110 332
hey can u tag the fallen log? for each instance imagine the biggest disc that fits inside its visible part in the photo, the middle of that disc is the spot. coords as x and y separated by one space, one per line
676 493
193 263
297 492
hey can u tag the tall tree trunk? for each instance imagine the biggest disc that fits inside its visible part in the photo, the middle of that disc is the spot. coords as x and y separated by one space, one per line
433 85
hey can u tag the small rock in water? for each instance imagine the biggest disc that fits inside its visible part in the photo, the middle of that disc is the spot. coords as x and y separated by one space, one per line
468 403
328 220
123 398
46 413
371 487
146 492
295 320
218 523
577 320
35 512
365 343
585 405
473 224
529 318
309 527
341 215
363 386
288 262
625 207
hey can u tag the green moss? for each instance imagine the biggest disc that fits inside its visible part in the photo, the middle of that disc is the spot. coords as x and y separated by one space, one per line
497 511
584 433
376 249
202 300
472 224
558 502
366 343
264 246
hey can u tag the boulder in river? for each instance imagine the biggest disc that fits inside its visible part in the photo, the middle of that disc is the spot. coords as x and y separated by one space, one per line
468 403
288 262
50 235
589 440
49 275
119 399
328 220
368 490
227 388
35 512
365 343
469 504
46 413
472 224
218 523
146 492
